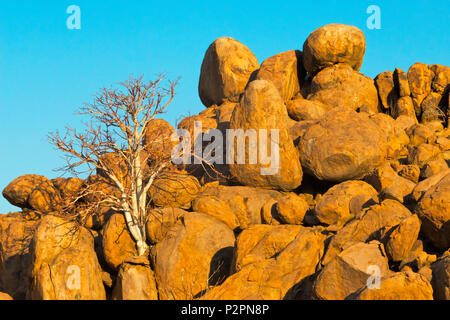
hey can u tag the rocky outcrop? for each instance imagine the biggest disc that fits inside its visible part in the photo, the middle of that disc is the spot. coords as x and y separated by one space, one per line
333 186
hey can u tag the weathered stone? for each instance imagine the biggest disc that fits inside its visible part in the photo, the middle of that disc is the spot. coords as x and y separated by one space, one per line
301 109
285 71
272 279
159 222
402 238
234 205
332 44
64 263
135 281
343 145
371 224
350 271
340 86
261 108
226 70
118 245
19 190
399 286
261 242
441 278
419 78
174 189
291 209
401 82
344 201
195 254
433 167
434 211
16 233
386 89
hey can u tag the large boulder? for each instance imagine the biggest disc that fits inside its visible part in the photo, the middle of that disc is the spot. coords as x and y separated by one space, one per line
174 189
45 198
5 297
236 206
157 140
285 71
159 222
16 233
343 145
64 263
434 211
262 110
399 286
344 201
117 243
402 238
301 109
135 281
226 70
441 278
261 242
19 190
340 86
387 91
371 224
350 271
275 278
195 254
420 78
332 44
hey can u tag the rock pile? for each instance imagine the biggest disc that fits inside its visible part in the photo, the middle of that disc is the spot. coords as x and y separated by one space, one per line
358 208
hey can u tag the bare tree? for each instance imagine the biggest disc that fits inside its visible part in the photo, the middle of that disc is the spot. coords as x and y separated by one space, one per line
119 120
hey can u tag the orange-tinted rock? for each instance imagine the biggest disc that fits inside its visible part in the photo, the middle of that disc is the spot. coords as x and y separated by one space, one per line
272 279
118 245
135 281
344 201
285 71
160 220
15 236
399 286
343 145
261 108
301 109
332 44
372 223
441 278
261 242
64 263
386 89
157 140
19 190
350 271
419 78
340 86
402 238
174 189
226 70
434 211
195 254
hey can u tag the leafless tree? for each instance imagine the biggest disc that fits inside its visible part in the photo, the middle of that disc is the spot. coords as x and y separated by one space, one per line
119 119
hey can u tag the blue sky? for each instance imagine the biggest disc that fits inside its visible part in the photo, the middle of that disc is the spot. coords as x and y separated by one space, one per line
48 71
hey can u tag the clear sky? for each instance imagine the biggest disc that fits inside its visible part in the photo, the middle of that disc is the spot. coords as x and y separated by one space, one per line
47 71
